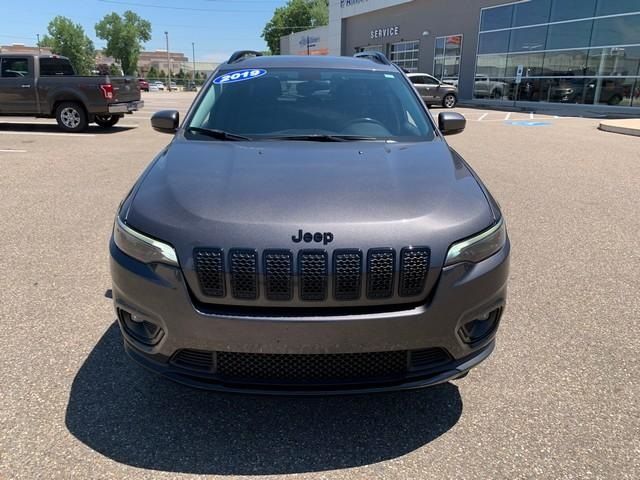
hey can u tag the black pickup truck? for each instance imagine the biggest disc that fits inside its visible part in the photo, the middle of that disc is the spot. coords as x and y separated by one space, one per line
47 86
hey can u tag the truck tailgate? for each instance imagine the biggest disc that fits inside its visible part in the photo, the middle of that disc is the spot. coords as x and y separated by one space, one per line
125 89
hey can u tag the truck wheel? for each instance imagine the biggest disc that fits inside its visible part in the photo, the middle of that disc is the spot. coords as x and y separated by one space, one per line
449 100
107 121
71 117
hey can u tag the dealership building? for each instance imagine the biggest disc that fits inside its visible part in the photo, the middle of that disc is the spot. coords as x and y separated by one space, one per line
582 52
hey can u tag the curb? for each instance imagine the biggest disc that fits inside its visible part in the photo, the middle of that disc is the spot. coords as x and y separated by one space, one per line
623 127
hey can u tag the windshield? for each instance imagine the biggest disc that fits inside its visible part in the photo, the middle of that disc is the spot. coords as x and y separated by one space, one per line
309 104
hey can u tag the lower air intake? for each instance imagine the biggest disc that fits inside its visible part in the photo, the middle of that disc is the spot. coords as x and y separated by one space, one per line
287 368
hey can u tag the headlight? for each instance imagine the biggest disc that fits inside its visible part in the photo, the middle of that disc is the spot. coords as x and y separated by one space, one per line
141 247
479 247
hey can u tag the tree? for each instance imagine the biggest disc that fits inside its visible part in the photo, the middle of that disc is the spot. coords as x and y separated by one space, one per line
69 40
115 70
124 36
295 16
162 74
153 73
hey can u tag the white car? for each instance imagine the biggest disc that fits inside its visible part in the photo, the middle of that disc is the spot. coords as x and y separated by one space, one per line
158 86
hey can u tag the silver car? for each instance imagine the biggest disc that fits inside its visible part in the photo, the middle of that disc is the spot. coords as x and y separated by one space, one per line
434 91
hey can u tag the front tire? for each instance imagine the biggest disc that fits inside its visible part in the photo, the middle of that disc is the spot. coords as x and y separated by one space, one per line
449 100
71 117
107 121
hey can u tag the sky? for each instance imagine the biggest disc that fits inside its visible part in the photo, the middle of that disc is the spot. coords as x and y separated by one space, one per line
217 27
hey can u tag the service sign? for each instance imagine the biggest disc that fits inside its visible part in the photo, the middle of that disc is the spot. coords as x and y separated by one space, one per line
385 32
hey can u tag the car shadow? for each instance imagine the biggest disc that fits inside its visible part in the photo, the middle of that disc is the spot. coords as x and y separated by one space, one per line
53 128
137 418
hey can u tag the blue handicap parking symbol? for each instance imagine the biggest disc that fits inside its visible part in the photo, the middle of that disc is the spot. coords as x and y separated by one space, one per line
528 123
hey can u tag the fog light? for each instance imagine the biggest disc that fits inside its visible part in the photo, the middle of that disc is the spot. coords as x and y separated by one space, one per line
481 327
140 328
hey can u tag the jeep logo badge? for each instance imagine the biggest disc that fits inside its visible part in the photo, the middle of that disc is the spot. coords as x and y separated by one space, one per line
308 237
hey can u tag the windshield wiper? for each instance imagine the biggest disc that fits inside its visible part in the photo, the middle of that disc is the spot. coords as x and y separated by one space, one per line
324 138
218 134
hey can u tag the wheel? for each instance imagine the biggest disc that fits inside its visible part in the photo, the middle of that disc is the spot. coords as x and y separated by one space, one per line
496 93
107 121
449 100
71 117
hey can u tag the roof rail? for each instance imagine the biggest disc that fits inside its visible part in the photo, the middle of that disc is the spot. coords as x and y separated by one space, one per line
375 56
242 54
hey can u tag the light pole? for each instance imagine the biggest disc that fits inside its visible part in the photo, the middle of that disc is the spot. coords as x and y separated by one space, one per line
193 73
39 51
166 34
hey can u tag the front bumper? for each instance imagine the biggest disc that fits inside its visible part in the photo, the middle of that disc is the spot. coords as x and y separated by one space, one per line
127 107
158 294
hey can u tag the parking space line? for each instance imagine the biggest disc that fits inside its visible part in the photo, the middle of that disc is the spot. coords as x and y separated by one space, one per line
49 134
10 150
482 116
507 116
531 115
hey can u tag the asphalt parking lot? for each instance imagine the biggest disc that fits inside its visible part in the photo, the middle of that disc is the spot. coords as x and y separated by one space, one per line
558 398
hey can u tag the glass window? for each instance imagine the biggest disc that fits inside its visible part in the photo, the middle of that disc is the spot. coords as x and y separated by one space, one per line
531 90
488 87
438 67
622 61
531 62
372 48
429 80
566 63
405 55
417 80
313 101
571 9
494 42
55 66
453 45
440 46
528 39
611 91
532 12
492 65
446 63
451 68
616 31
495 18
611 7
569 35
13 67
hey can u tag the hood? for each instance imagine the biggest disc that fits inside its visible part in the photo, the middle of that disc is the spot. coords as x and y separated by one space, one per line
260 194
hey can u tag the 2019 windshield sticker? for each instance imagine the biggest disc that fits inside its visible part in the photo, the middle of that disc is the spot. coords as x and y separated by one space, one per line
240 76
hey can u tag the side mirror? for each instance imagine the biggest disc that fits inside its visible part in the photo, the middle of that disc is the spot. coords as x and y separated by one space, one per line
165 121
451 123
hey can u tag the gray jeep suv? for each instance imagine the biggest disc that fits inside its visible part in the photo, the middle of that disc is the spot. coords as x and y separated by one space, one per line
308 230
